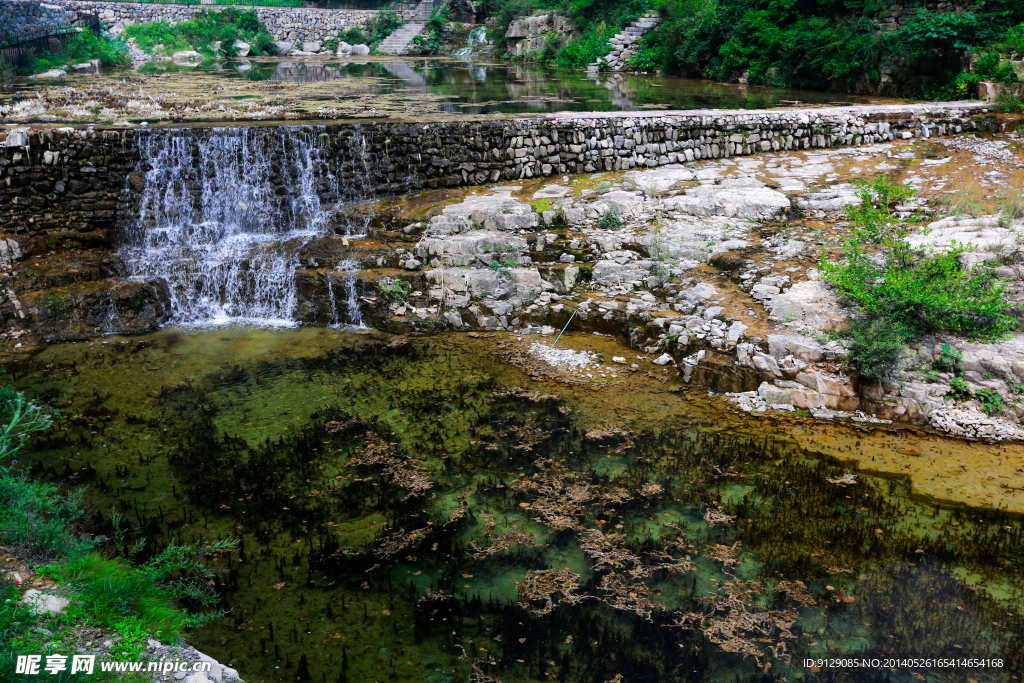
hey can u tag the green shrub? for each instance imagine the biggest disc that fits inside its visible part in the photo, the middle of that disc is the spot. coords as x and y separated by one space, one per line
877 347
991 402
823 44
610 220
958 388
36 516
587 47
354 36
919 292
948 360
923 292
1013 42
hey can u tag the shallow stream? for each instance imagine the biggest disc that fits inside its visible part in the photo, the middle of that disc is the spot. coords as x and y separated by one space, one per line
389 494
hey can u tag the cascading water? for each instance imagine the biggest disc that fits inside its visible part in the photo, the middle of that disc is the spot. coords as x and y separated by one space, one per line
212 222
353 317
477 36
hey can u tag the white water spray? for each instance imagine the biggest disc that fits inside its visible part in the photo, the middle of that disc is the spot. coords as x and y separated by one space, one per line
212 223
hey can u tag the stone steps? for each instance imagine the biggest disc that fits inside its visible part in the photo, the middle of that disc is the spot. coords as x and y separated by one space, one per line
420 12
624 44
397 42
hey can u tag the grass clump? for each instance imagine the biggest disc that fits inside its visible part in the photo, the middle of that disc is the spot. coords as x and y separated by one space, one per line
203 30
610 220
902 292
161 597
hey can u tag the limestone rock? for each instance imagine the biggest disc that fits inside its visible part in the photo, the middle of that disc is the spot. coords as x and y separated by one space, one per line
360 50
52 73
803 348
807 304
187 58
44 603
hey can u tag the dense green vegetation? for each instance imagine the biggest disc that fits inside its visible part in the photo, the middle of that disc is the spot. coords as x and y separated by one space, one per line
829 43
819 44
902 292
151 599
203 30
79 47
597 20
379 27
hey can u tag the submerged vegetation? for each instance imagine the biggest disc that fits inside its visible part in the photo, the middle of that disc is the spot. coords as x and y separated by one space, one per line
406 513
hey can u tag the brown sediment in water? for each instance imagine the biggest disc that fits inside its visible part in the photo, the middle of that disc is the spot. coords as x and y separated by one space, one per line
390 491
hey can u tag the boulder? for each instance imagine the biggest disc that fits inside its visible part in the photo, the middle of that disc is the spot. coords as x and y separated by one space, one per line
803 348
52 73
344 48
44 603
187 58
311 45
360 50
92 66
807 304
284 46
741 198
243 48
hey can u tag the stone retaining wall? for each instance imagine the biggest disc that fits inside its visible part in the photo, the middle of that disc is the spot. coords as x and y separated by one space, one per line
284 23
30 17
63 182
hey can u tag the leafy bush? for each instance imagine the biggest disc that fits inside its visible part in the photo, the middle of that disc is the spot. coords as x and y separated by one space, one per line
948 359
903 293
1013 42
823 44
958 388
919 292
610 220
354 36
877 347
34 515
991 402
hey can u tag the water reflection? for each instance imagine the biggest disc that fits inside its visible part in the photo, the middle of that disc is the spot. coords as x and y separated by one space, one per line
487 88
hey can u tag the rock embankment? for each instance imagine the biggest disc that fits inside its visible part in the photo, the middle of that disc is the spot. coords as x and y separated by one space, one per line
284 23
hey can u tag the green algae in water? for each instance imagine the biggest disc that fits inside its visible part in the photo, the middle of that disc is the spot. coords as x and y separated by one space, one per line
407 512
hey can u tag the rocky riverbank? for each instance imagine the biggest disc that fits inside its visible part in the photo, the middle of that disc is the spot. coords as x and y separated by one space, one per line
711 270
700 247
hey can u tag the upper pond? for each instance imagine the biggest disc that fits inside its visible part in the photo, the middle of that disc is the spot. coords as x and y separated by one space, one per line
372 87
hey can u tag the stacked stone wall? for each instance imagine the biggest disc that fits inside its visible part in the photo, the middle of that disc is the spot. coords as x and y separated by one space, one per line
21 18
68 185
284 23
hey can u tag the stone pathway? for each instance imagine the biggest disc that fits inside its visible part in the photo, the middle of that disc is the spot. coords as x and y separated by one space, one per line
624 44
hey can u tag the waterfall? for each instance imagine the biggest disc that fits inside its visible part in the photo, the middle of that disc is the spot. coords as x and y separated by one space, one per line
352 315
214 225
477 36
